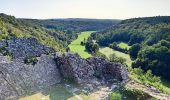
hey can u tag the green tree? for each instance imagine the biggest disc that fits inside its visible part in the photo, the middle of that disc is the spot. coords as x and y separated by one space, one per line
133 51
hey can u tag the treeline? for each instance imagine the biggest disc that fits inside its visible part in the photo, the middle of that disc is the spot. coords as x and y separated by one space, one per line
71 25
149 39
115 46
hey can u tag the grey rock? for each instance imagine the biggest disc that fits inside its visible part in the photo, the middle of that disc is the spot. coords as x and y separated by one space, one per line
25 47
18 79
91 70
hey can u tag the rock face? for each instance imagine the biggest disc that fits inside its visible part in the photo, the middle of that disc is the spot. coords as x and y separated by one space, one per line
81 71
17 78
24 47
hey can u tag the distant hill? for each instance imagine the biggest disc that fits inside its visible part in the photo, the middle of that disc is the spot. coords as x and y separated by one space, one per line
74 24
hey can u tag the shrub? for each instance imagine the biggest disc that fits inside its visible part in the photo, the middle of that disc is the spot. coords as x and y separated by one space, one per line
114 58
115 96
134 94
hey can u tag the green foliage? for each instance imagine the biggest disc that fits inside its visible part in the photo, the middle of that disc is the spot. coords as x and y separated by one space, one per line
155 58
149 30
150 39
115 96
76 46
129 94
123 45
114 58
119 47
133 51
71 26
91 46
11 27
99 54
134 94
55 33
142 77
108 51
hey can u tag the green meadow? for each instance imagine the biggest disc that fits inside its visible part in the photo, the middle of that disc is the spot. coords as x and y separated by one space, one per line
75 46
108 51
124 45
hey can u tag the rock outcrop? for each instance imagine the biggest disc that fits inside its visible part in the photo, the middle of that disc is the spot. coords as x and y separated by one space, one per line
94 69
18 78
24 47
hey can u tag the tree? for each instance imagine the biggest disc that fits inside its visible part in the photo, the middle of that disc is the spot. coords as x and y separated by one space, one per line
91 47
155 58
133 51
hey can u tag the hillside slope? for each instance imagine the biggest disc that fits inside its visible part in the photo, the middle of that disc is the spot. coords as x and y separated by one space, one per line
150 40
149 30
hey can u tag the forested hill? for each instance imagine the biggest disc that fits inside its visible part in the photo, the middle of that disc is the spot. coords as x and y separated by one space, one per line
56 33
149 29
74 24
150 40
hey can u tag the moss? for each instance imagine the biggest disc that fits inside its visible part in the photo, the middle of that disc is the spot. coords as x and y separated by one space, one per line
31 60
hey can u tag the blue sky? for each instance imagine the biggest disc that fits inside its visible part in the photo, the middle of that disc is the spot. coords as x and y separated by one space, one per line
105 9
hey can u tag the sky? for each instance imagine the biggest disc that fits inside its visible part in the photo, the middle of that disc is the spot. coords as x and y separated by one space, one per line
101 9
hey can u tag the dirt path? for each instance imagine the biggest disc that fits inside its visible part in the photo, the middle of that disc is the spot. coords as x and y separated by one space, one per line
149 90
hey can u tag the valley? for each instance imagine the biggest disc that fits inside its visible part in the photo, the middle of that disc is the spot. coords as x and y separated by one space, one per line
64 59
84 50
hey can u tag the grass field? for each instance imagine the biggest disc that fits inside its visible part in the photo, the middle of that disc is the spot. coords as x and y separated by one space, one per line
75 46
108 51
124 45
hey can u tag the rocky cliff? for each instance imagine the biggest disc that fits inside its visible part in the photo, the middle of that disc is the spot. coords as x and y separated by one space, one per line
18 78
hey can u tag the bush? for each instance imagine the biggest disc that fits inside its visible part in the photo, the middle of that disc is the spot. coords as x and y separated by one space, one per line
142 77
114 58
115 96
99 54
134 94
